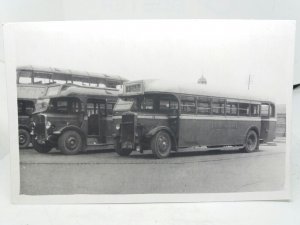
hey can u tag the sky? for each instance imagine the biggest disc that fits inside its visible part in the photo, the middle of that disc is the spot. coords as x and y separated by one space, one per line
225 52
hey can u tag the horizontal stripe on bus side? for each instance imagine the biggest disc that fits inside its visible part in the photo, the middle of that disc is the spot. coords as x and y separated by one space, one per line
194 117
200 117
271 119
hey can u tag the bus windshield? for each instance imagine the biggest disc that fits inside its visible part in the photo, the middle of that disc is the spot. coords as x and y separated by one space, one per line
123 105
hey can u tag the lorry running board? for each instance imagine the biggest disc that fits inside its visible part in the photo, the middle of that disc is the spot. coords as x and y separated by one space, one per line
99 147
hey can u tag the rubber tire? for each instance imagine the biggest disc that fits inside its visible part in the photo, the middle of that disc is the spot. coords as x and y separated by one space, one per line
42 148
120 151
155 148
27 137
246 149
62 144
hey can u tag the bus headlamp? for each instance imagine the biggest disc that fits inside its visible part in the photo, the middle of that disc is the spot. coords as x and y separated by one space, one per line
48 125
117 126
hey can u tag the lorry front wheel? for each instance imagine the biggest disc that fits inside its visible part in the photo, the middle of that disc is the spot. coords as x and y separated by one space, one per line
70 142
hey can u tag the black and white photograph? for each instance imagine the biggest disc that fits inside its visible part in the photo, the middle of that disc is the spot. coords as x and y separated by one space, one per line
150 111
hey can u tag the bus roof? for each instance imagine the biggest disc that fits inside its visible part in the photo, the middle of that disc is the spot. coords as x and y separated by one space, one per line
72 90
161 86
65 74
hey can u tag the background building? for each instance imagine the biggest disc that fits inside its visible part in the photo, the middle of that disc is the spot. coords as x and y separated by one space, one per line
281 121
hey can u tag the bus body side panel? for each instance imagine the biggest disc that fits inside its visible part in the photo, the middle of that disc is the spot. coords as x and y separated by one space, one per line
268 130
203 130
150 121
194 131
212 131
109 129
243 127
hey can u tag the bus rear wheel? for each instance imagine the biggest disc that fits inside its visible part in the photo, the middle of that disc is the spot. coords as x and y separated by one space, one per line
24 138
120 151
161 145
251 143
70 142
42 148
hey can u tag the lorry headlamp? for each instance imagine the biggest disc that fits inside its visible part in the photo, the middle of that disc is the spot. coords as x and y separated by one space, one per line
117 126
48 125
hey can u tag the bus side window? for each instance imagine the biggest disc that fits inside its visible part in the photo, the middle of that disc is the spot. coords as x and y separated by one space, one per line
231 108
173 104
272 110
204 106
188 106
147 105
218 106
109 108
264 110
75 106
254 110
167 104
90 108
244 109
164 105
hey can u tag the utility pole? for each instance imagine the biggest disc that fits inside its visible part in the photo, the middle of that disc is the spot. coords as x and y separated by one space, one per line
249 81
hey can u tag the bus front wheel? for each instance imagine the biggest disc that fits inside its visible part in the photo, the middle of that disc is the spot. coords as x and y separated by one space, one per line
161 144
24 138
70 142
252 143
120 151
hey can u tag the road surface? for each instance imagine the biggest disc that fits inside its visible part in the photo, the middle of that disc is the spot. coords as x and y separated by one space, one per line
188 171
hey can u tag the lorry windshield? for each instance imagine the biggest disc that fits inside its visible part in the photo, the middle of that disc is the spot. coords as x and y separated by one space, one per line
59 105
41 105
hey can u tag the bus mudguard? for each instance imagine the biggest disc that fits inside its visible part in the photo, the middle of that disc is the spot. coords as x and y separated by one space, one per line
152 132
71 127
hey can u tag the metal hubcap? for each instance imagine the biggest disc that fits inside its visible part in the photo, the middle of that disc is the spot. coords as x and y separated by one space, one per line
22 139
71 143
251 142
163 143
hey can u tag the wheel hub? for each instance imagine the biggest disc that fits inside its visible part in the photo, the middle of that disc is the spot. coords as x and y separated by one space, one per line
71 143
22 139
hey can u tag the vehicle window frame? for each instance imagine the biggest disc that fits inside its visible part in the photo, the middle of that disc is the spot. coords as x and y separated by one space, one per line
247 110
231 102
171 99
186 98
204 108
258 108
262 114
141 102
70 101
220 101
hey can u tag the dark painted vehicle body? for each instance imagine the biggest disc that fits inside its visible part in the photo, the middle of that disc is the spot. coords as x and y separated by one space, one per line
185 117
32 83
27 97
74 118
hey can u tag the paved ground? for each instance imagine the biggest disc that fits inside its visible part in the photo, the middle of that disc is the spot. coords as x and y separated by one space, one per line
189 171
